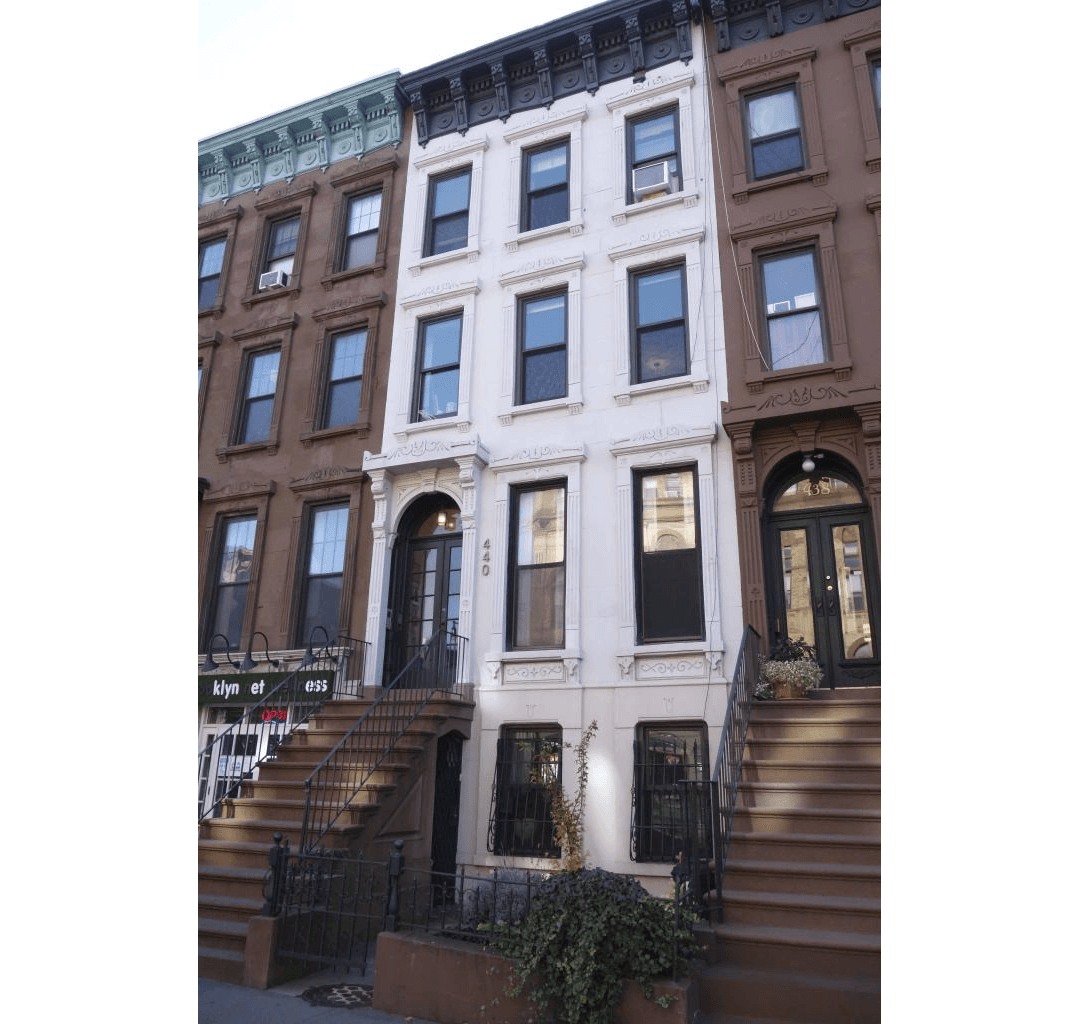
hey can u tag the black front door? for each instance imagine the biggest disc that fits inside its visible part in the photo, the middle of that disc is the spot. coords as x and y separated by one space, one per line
823 577
427 590
444 817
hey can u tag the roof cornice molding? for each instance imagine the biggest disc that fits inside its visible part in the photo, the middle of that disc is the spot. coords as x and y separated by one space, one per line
744 22
343 125
622 39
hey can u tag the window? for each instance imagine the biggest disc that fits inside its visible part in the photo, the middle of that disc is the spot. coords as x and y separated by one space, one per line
654 142
542 348
281 248
658 318
345 379
537 578
528 767
547 186
668 571
259 390
665 756
792 310
774 133
232 575
361 231
211 258
324 568
448 212
874 64
439 364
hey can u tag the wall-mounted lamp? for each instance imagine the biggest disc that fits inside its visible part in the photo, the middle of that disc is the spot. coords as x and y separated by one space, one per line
810 461
310 657
249 662
209 665
447 521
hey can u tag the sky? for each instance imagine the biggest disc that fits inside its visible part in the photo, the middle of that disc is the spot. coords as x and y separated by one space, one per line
256 58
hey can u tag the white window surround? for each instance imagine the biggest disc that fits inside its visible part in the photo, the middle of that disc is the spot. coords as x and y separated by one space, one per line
532 668
423 307
649 664
546 274
530 136
657 93
682 245
433 165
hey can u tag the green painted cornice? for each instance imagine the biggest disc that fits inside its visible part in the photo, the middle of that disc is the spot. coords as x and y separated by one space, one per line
344 125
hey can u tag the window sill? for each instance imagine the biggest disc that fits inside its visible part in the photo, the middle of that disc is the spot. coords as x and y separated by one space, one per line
699 384
330 280
817 175
532 668
684 661
460 424
359 430
840 371
570 228
213 312
274 293
685 198
471 254
572 407
270 447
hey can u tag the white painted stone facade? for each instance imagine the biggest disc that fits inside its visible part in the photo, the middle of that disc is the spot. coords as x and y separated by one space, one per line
594 438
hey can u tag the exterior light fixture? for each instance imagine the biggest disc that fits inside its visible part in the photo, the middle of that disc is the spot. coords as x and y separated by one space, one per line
209 665
310 657
249 662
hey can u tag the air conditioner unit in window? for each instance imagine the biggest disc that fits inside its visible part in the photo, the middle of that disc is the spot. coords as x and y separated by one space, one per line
273 279
780 307
651 180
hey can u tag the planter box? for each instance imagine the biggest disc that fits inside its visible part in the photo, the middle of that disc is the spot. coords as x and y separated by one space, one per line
446 980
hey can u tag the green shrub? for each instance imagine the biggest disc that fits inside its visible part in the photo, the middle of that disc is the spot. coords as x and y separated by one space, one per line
587 931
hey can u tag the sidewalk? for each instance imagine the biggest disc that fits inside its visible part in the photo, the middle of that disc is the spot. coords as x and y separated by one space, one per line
222 1003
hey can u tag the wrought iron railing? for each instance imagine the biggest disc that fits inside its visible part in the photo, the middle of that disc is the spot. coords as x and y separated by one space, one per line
232 757
348 768
712 803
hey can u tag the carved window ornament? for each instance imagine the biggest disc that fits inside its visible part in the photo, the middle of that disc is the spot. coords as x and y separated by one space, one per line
865 50
363 185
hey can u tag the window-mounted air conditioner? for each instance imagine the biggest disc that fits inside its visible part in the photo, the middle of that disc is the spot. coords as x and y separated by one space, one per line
651 180
273 279
780 307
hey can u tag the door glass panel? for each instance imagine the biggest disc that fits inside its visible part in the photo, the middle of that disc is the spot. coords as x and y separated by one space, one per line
854 614
453 588
797 598
822 492
421 596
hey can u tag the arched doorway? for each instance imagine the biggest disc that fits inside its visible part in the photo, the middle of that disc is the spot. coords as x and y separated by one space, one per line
822 570
425 585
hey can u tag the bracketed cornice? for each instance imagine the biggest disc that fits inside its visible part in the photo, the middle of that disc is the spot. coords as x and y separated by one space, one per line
344 125
742 22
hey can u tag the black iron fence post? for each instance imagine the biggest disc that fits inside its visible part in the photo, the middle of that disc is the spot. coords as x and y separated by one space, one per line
394 869
278 856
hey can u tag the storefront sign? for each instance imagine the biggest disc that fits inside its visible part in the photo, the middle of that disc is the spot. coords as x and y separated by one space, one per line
251 687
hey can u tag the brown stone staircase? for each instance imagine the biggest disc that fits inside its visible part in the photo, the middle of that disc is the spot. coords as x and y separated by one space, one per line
233 848
801 934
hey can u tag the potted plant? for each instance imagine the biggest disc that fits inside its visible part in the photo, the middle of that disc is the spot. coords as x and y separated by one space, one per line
790 671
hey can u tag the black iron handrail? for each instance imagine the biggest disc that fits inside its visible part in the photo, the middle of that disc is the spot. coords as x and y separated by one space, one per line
330 789
231 757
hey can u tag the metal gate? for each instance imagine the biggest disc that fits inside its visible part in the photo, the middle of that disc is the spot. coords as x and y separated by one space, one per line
332 906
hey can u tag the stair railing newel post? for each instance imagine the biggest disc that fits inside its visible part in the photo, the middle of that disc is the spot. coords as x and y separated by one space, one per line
278 856
394 870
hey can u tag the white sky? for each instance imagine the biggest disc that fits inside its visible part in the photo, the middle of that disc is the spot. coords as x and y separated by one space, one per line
257 57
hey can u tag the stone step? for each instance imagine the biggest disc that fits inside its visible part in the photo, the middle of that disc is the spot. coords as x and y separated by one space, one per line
227 853
260 807
834 821
218 933
221 965
797 748
807 998
795 910
799 950
831 795
232 880
262 831
234 908
801 877
839 710
272 787
861 772
302 762
810 727
807 848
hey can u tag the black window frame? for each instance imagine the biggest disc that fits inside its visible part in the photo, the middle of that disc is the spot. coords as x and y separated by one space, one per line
516 573
663 587
204 245
799 131
520 823
767 318
637 329
331 382
662 763
527 194
248 401
525 357
423 372
211 626
873 66
632 160
302 630
431 221
347 238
